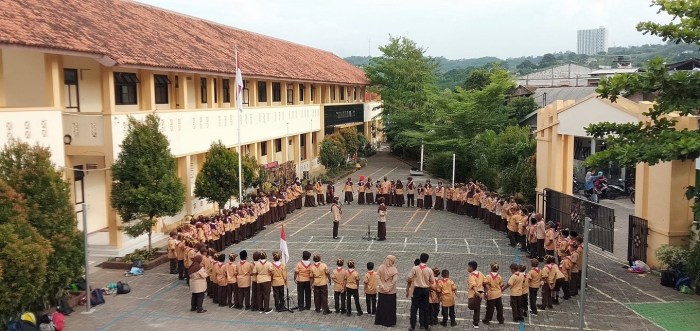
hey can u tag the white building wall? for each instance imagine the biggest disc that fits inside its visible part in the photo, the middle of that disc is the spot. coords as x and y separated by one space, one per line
41 126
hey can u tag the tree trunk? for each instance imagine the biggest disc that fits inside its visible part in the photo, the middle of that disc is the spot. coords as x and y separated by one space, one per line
150 232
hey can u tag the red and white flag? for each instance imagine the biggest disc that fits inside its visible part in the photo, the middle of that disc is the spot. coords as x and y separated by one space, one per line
283 246
239 85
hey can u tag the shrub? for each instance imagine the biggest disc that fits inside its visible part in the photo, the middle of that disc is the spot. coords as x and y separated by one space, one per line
673 256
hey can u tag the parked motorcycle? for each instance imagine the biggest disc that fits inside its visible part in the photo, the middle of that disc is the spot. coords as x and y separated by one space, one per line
612 191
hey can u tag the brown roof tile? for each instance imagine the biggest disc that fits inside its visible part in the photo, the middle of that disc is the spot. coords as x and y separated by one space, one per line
131 33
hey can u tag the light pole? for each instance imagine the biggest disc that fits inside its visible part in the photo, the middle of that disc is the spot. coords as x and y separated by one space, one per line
88 309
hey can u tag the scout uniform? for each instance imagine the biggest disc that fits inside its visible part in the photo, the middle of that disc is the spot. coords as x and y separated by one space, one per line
330 193
309 198
279 281
245 271
172 245
319 272
448 292
549 242
381 222
337 211
534 276
221 281
421 197
439 195
434 298
410 193
565 267
369 196
352 281
428 199
475 286
303 280
348 191
180 256
339 276
318 188
361 193
231 270
371 282
263 273
515 282
398 194
494 299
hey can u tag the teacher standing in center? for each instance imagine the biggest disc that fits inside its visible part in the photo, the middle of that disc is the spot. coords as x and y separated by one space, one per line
386 303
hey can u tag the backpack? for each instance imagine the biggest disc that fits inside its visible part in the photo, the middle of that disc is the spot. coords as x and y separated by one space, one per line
14 325
682 281
64 307
668 278
123 288
96 297
137 264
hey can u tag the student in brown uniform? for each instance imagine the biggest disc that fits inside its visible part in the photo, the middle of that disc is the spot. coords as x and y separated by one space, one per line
337 212
549 239
534 276
318 188
231 270
576 259
254 282
439 197
494 300
220 280
391 200
410 192
302 277
434 298
448 292
428 199
386 301
180 256
279 281
525 290
385 189
421 278
352 282
371 282
330 192
565 267
339 276
198 284
515 283
172 256
245 270
369 196
361 192
475 291
348 191
381 220
309 196
398 194
421 197
263 272
321 277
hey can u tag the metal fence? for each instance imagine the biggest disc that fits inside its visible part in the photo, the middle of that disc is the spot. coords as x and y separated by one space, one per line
570 212
637 243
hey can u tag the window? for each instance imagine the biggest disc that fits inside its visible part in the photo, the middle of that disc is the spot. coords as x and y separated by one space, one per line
313 92
290 93
276 92
262 92
70 80
226 86
216 92
301 92
354 93
203 90
263 148
333 93
161 83
342 93
246 93
125 88
278 145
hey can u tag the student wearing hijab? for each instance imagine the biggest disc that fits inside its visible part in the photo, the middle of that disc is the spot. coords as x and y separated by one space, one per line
198 284
386 305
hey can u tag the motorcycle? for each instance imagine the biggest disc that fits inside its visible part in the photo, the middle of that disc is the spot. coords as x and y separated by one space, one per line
578 186
612 191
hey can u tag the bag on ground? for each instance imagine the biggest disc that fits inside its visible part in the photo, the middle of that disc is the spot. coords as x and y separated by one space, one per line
682 281
668 278
96 297
123 288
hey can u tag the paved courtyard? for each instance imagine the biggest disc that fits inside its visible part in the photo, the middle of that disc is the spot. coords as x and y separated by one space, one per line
159 301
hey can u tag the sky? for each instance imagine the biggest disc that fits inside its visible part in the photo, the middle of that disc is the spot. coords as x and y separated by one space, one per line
451 28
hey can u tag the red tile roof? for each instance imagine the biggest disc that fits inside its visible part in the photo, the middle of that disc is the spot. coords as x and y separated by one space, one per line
135 34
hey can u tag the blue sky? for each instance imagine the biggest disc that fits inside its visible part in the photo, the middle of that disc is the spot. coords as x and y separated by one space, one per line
450 28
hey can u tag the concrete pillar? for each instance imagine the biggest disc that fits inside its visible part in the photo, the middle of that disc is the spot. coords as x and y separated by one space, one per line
309 146
253 93
660 198
284 93
269 93
220 92
210 93
3 100
271 150
108 98
172 92
307 94
54 80
296 145
182 96
197 91
297 94
593 143
147 99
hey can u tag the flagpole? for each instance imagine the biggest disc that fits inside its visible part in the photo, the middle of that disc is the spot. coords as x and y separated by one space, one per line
240 150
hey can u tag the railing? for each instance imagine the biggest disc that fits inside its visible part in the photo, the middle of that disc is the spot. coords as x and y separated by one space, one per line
571 212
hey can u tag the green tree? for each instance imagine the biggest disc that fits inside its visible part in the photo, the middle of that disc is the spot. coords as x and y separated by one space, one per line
23 257
332 153
404 76
548 60
477 79
656 140
145 184
251 171
526 67
521 106
29 171
218 180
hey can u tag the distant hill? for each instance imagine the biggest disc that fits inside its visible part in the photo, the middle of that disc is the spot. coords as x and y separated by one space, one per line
452 73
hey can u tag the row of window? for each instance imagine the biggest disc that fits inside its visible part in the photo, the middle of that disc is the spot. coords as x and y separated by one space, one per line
126 89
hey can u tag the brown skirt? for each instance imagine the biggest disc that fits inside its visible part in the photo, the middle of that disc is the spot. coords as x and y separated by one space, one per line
381 230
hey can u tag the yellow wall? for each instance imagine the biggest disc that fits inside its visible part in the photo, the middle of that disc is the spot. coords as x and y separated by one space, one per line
89 82
25 78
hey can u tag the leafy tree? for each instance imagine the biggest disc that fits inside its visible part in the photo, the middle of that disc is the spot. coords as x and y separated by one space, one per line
526 67
29 171
521 106
145 184
351 140
548 60
218 180
656 140
404 77
24 257
252 176
477 79
332 153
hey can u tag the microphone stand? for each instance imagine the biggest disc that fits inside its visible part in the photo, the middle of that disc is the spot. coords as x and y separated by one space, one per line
288 307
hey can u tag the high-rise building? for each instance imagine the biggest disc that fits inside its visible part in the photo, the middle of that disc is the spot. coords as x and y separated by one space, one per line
592 41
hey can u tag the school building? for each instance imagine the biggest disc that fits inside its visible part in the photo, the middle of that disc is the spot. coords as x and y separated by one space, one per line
72 71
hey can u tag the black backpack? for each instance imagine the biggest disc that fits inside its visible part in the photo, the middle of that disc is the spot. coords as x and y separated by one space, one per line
63 306
96 297
123 288
668 278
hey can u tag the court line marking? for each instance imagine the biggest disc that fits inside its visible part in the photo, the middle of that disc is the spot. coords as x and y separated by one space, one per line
423 220
410 219
339 242
308 242
368 247
436 245
405 241
469 251
543 326
351 218
497 247
626 282
312 222
624 305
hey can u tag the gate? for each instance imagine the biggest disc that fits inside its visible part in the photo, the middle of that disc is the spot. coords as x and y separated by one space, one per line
571 212
637 243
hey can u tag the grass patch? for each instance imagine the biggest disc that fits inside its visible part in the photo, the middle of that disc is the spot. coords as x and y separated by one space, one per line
673 316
